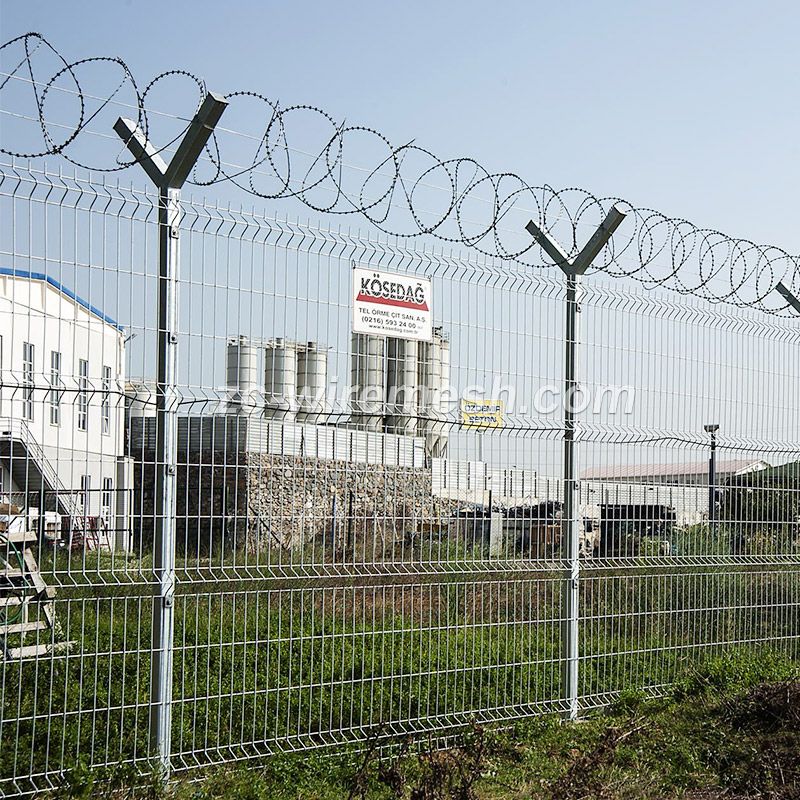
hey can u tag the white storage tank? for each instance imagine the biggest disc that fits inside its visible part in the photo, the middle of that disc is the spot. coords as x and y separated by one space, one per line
368 381
241 374
424 381
434 377
140 399
280 379
140 414
312 383
441 371
402 386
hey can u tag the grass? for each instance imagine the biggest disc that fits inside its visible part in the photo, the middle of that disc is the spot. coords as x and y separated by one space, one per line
325 665
729 729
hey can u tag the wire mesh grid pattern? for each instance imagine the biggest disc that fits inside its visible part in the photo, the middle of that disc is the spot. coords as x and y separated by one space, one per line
354 557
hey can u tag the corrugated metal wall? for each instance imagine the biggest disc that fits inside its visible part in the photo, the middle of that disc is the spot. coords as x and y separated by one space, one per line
230 434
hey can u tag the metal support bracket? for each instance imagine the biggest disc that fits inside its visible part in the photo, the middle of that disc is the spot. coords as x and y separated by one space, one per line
174 174
590 251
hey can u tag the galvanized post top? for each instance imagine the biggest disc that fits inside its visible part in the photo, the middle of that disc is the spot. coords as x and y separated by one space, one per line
174 174
591 249
788 295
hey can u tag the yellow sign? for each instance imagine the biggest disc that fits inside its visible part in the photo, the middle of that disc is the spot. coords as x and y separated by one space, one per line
481 413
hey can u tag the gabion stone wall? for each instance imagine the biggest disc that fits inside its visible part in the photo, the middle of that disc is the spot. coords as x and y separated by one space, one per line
350 509
335 509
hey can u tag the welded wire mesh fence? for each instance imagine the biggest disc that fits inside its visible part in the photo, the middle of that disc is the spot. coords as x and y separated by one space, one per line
369 530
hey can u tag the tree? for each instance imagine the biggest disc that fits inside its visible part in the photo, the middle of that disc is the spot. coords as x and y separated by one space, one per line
761 510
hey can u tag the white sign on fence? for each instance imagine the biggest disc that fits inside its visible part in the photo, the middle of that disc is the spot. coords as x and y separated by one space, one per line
392 304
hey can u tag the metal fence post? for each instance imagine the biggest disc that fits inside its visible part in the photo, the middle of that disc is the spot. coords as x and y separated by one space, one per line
573 269
786 293
570 600
168 179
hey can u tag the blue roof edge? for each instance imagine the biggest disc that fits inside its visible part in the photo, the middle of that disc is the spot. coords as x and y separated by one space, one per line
41 276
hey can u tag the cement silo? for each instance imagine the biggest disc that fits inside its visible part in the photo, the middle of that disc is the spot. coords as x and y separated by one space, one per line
241 375
312 383
433 374
140 399
402 386
280 379
140 414
441 358
367 381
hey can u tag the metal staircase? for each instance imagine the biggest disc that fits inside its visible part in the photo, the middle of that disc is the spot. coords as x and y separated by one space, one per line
30 468
27 611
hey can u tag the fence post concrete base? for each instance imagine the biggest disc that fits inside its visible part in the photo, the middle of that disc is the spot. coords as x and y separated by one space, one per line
496 537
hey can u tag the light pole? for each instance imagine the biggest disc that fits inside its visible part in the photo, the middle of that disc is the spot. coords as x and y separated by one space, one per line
712 471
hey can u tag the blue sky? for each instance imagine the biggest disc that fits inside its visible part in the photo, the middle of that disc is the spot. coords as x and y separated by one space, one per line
685 107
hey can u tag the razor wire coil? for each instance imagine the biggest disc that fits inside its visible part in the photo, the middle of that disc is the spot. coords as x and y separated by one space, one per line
394 191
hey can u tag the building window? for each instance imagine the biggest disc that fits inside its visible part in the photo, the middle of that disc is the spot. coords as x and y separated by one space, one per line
55 388
27 380
86 488
106 407
108 490
83 394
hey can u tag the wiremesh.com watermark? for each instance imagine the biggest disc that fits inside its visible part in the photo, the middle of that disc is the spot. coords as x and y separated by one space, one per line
546 400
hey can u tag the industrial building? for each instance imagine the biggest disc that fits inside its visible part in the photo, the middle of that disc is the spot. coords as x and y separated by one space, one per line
690 473
274 460
278 464
267 465
62 408
277 402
